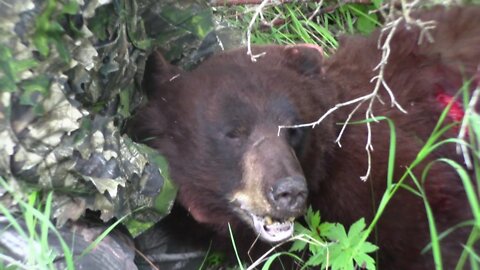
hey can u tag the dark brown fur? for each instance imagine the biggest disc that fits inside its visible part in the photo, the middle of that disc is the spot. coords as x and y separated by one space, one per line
415 73
184 117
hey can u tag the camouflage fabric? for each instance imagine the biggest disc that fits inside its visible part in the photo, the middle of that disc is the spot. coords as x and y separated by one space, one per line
69 77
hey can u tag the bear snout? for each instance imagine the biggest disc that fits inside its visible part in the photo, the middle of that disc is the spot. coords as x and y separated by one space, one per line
289 195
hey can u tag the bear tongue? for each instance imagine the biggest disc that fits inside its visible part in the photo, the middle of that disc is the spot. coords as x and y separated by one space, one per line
274 231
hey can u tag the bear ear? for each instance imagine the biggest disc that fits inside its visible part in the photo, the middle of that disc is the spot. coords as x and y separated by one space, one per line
157 71
306 59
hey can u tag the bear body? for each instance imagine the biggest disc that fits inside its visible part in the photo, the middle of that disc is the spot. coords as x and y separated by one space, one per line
218 128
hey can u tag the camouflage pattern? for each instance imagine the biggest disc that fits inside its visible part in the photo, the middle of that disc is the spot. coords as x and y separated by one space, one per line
70 72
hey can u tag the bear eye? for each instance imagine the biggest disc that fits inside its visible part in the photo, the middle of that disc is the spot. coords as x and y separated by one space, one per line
295 136
236 132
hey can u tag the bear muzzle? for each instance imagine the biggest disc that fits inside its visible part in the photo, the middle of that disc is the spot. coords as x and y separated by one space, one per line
274 190
272 215
288 196
288 199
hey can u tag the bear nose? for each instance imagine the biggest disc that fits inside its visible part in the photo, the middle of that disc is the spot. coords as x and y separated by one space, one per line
288 195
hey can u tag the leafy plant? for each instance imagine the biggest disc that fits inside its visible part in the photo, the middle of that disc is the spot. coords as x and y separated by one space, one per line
331 247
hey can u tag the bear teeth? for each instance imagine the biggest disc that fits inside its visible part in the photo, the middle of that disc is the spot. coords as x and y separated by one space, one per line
272 231
268 220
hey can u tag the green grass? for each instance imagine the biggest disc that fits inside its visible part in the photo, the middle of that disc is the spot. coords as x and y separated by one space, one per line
35 214
32 222
294 23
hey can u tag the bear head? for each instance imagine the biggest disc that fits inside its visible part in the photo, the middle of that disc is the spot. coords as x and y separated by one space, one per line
218 127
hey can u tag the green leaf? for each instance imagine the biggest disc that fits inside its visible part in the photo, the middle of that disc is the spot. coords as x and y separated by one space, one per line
298 246
366 25
325 227
377 3
364 261
300 229
313 218
316 260
337 233
344 251
342 261
366 22
356 230
368 247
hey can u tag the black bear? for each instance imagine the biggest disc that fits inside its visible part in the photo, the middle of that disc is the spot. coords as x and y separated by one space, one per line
218 126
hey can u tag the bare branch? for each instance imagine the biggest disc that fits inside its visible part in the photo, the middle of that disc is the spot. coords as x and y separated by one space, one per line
462 135
340 134
330 111
316 11
369 158
258 11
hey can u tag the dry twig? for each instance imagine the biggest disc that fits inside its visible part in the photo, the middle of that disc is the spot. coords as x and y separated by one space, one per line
462 148
258 11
